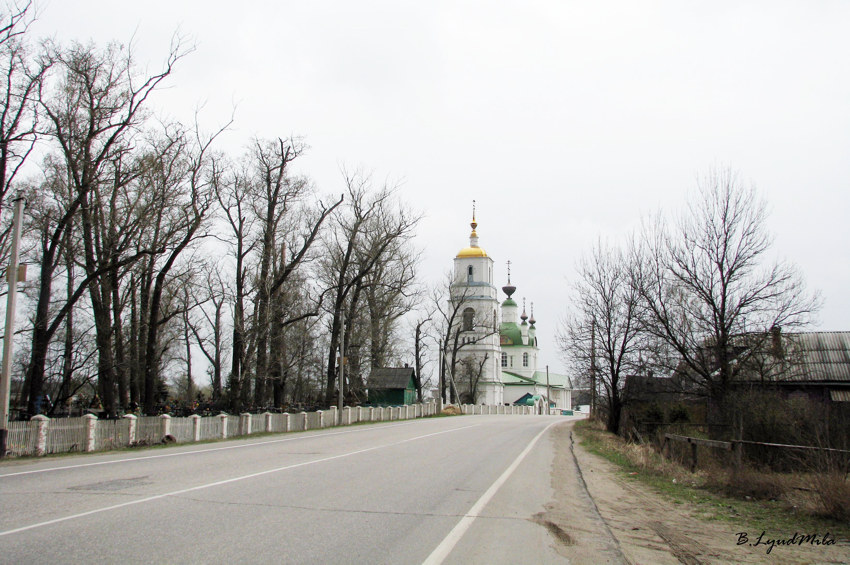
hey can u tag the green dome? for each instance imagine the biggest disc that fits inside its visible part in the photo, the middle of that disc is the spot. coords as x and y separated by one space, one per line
509 302
510 334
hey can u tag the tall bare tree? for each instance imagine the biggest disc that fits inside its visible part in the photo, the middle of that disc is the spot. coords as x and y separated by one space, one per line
706 280
95 109
603 334
371 223
283 218
18 101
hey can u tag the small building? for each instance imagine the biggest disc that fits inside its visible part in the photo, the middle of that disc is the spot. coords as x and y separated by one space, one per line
555 387
391 386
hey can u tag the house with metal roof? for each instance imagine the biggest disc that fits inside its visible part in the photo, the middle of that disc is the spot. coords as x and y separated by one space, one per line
391 386
811 364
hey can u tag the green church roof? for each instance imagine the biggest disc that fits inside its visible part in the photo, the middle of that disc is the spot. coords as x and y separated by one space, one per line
510 334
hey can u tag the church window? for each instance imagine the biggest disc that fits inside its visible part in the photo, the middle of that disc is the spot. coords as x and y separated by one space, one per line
512 360
504 359
469 273
468 319
525 359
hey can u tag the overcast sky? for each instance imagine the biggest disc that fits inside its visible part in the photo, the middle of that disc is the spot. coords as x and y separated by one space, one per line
565 121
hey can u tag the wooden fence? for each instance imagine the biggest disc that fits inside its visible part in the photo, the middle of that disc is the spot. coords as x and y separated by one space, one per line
735 445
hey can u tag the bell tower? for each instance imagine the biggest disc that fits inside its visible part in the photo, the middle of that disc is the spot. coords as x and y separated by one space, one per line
475 297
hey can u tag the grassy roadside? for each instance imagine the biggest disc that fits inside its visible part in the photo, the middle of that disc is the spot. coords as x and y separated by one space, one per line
699 490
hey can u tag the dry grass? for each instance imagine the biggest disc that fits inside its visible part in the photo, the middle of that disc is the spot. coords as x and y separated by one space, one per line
451 411
823 495
833 493
748 483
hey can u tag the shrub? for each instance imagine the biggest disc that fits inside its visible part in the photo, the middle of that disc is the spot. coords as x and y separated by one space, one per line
754 484
833 492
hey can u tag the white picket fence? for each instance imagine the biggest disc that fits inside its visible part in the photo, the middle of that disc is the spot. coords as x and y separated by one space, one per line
42 435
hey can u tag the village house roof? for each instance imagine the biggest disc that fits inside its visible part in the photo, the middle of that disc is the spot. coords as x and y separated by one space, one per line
389 378
823 356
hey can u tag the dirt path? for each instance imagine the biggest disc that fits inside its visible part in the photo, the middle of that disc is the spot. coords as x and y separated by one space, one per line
599 516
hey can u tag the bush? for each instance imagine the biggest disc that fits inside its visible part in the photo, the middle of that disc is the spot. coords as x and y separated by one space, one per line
833 492
754 484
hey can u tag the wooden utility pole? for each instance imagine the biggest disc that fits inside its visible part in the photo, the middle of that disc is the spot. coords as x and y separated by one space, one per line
593 370
341 365
11 301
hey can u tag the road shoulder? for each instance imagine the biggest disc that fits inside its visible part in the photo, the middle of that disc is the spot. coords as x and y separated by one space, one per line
651 528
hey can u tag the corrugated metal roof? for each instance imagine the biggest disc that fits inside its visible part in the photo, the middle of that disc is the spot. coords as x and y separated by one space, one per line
839 395
823 356
390 377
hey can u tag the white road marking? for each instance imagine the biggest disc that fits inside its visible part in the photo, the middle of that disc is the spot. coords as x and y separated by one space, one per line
224 482
209 450
442 551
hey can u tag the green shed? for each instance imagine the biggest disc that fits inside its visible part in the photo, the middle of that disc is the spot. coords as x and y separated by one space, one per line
391 386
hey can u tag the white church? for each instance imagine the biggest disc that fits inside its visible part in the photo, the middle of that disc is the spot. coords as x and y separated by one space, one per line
510 373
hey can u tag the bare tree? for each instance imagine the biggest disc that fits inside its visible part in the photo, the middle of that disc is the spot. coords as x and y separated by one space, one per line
362 238
459 327
603 334
471 371
281 214
211 312
18 101
94 113
420 348
705 281
233 195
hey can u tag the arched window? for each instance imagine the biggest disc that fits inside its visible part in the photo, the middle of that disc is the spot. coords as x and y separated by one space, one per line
468 319
525 359
469 273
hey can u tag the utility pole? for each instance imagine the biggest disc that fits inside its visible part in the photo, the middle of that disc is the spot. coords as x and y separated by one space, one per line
593 370
341 364
548 391
441 374
11 300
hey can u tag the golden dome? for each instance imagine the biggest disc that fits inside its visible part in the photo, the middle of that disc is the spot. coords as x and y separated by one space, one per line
471 252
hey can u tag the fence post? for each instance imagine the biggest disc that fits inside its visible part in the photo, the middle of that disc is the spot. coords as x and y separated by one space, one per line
737 446
346 416
223 418
165 425
286 421
245 424
693 456
40 434
268 421
304 421
737 452
196 427
334 415
91 422
131 432
321 414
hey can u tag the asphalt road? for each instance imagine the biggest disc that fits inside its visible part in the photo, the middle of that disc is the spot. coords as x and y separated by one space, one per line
454 490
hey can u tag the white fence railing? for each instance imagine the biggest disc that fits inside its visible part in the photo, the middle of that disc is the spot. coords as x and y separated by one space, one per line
41 435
